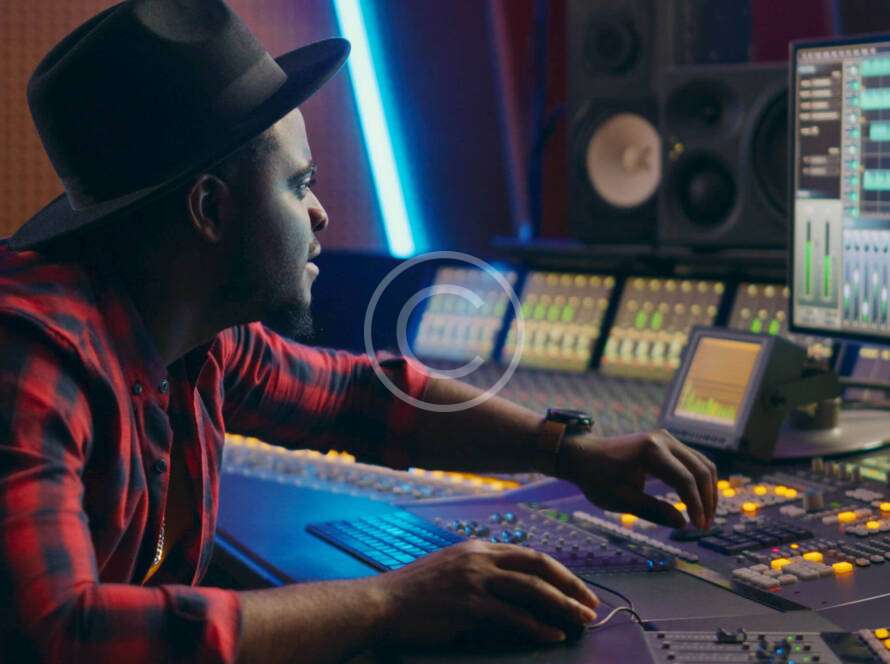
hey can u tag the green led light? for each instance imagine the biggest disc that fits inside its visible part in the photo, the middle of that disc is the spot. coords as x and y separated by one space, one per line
757 326
568 313
553 313
526 310
540 311
657 320
640 320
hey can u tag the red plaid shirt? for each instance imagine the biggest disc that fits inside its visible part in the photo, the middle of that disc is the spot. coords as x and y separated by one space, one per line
88 415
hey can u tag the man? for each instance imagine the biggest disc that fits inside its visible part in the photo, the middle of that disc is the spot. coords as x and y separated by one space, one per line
131 341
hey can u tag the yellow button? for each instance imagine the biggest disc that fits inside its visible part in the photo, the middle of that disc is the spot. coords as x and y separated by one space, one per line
791 493
887 644
722 484
842 568
781 490
680 506
846 517
885 507
779 563
873 525
729 493
813 556
795 546
628 519
749 507
882 633
760 490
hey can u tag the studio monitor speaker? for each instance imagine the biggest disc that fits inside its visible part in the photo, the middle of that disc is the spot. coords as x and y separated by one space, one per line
616 49
725 156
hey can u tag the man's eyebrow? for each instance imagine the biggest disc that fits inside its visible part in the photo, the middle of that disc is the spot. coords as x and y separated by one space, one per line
297 178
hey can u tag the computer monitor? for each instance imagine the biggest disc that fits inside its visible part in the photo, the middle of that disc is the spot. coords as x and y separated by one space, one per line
839 114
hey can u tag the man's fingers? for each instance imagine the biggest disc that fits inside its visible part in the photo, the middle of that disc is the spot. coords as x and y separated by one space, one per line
667 467
540 598
517 621
521 559
704 479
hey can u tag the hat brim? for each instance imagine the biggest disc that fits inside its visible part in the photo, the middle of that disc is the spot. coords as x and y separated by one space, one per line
307 69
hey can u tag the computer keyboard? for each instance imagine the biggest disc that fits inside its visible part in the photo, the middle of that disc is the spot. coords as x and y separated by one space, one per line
388 541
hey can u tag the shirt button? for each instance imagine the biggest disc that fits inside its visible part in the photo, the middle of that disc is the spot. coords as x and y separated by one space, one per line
137 389
159 466
163 386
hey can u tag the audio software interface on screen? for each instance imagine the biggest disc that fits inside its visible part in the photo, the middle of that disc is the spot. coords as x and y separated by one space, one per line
842 188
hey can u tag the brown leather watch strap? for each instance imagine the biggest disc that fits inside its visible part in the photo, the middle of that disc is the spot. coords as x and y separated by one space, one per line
550 435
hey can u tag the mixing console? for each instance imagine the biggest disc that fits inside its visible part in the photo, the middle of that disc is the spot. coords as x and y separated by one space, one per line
653 323
462 320
811 537
763 309
340 473
563 314
681 647
619 405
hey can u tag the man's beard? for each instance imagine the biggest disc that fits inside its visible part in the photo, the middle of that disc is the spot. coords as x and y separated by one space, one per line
292 320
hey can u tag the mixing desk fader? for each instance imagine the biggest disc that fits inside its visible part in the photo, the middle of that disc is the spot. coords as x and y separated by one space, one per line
653 322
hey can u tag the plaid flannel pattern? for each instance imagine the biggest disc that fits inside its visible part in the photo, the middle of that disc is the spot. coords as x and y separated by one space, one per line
88 416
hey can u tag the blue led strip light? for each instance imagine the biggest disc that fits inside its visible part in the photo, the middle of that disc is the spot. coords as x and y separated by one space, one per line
384 167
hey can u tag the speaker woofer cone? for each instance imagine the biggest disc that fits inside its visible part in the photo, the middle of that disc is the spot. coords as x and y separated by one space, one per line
623 160
703 189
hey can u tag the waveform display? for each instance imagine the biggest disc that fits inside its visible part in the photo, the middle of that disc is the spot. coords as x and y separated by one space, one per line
876 180
717 381
876 67
875 99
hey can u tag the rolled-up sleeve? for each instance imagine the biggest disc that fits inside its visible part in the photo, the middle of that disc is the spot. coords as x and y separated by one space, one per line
299 396
53 607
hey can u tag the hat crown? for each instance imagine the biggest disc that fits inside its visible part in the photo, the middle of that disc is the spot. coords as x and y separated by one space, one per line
141 90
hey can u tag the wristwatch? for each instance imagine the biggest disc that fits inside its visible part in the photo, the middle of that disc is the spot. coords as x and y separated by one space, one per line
556 424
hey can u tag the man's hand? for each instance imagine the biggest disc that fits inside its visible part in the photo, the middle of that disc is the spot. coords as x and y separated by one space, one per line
474 589
612 474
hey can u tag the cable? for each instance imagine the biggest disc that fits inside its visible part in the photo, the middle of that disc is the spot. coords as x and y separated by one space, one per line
613 613
627 599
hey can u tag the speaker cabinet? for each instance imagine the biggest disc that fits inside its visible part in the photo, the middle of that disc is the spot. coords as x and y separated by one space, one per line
725 156
616 51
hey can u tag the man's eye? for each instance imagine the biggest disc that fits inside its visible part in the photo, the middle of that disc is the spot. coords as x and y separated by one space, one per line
303 188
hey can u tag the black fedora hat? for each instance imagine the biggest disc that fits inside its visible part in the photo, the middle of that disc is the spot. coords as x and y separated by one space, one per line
148 92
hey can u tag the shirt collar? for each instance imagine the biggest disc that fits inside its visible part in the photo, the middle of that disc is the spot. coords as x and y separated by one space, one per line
144 369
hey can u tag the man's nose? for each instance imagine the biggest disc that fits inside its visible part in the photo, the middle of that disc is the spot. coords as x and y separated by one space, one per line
317 215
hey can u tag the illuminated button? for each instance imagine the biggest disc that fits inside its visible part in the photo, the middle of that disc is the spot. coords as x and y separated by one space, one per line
791 493
749 507
873 525
795 546
628 519
885 507
729 493
760 490
887 644
722 484
882 633
846 517
842 567
779 563
681 506
780 490
813 556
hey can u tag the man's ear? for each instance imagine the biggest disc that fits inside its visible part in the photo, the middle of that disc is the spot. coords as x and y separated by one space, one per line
210 204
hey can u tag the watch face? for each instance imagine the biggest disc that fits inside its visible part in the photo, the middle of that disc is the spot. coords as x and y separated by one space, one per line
573 419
